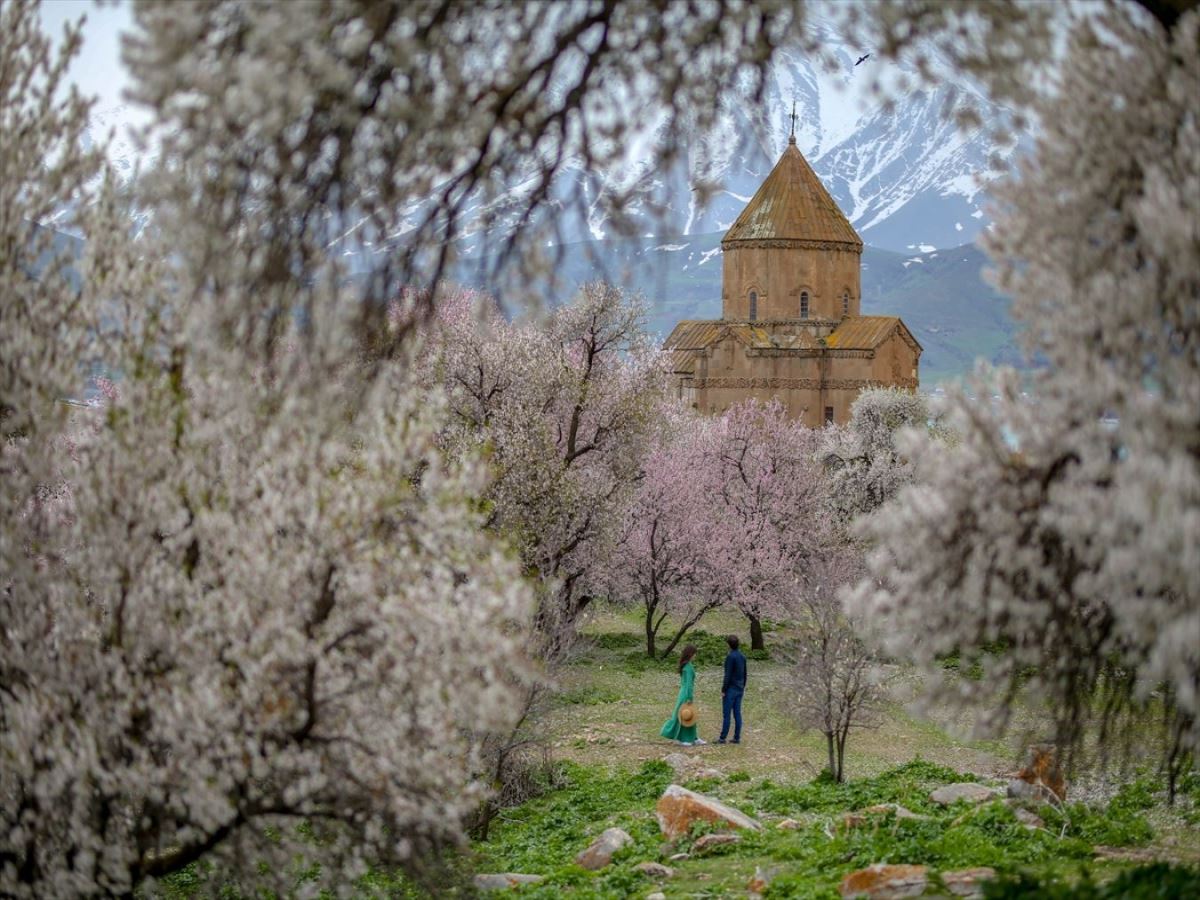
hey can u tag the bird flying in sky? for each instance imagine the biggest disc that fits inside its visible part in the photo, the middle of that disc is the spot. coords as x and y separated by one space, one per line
861 58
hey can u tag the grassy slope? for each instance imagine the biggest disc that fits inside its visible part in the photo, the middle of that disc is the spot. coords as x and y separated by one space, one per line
606 727
616 701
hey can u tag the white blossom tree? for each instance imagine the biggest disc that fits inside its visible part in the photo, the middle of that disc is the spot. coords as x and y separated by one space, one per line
1064 526
249 591
833 675
864 466
566 409
465 115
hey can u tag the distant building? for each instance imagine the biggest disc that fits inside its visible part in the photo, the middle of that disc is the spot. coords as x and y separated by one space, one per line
790 301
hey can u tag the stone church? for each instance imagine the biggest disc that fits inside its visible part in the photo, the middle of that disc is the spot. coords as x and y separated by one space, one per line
790 323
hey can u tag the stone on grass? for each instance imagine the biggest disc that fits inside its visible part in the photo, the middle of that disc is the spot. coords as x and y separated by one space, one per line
678 808
601 851
1030 820
680 857
708 773
1126 854
504 881
968 882
713 840
761 880
900 811
965 790
788 825
680 763
654 870
1041 778
657 895
885 882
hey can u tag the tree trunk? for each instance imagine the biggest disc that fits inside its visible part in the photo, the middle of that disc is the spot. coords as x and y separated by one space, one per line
650 633
675 640
833 772
485 815
756 632
841 758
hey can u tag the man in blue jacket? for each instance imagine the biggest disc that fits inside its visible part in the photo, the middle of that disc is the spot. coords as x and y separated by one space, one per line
732 689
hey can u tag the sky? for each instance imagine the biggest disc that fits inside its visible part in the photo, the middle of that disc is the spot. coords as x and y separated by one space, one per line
97 70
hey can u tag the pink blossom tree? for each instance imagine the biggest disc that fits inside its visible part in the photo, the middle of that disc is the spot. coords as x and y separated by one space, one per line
671 555
772 503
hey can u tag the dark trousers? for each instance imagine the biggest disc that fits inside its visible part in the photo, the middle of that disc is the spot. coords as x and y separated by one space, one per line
731 703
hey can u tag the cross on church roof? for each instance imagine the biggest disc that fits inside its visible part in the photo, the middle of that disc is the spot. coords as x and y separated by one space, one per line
792 136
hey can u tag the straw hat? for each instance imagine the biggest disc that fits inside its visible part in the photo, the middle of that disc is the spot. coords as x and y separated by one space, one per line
687 715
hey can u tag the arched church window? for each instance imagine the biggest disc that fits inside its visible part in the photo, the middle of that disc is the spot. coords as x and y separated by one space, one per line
845 303
804 304
753 305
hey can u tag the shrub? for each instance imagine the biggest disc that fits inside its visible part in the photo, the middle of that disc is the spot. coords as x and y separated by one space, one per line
616 640
590 695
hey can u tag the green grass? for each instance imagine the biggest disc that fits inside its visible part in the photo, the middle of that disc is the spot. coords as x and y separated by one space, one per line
604 733
543 836
611 747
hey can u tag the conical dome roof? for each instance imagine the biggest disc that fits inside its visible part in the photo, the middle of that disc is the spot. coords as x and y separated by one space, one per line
792 205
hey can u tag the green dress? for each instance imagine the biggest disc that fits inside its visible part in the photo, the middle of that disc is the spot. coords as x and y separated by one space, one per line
672 730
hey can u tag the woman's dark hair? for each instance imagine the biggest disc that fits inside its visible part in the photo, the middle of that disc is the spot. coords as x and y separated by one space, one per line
732 641
686 656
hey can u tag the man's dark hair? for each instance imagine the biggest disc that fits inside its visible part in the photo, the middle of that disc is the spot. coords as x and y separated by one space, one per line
732 641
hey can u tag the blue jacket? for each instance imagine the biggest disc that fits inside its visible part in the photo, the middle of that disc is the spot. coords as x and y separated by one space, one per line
735 672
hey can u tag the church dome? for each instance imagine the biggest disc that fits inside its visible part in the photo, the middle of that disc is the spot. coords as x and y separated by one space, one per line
792 206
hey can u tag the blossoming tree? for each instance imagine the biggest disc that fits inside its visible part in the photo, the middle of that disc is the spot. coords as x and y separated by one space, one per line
1064 525
566 408
672 554
262 595
863 463
772 503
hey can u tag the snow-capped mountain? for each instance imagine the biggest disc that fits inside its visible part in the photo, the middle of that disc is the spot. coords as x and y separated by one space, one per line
903 172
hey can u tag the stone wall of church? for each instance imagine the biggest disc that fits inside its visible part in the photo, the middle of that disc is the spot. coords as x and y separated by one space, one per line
815 388
778 271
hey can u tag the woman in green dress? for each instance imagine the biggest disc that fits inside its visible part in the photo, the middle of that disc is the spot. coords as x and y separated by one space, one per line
673 729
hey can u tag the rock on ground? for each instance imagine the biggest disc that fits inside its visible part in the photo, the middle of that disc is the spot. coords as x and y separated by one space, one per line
968 882
1041 778
788 825
884 882
761 880
713 840
657 895
678 808
601 851
966 790
654 870
900 811
504 881
1029 819
681 763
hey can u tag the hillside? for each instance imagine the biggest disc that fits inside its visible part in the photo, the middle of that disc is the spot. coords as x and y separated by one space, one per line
940 294
815 832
